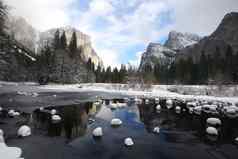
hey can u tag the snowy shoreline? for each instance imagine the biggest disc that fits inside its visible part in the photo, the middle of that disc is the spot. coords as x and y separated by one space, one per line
183 92
161 91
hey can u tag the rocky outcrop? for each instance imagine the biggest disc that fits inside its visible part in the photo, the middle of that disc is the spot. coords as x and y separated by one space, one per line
83 42
165 54
156 54
178 41
226 35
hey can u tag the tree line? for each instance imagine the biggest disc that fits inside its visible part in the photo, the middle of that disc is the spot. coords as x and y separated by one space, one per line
108 74
217 69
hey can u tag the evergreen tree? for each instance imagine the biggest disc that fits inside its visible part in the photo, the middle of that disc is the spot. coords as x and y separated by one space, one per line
180 67
235 68
3 16
115 76
229 66
56 43
157 73
98 74
203 69
63 41
73 44
108 74
90 65
103 75
172 73
122 74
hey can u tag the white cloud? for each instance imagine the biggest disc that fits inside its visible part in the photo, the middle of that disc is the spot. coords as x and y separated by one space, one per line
136 62
109 57
201 17
100 7
42 14
130 22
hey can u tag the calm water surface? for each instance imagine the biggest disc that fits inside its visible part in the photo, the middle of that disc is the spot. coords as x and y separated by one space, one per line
181 134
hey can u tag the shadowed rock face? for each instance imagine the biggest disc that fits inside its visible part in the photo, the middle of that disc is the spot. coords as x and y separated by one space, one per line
156 54
224 36
178 41
15 64
70 70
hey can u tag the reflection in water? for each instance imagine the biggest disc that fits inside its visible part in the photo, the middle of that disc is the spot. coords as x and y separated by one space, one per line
74 120
173 122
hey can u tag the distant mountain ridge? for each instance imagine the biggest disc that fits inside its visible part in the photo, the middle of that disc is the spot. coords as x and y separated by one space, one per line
157 53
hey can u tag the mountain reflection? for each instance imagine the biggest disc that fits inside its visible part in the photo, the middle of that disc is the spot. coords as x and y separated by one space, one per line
74 122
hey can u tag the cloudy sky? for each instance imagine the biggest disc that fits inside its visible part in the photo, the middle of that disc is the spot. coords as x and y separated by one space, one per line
121 29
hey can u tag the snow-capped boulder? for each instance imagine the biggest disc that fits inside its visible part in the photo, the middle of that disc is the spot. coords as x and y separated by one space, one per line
138 101
117 105
16 114
13 113
231 111
177 109
98 132
55 118
53 112
24 131
197 110
191 104
128 142
156 100
116 122
169 102
158 107
212 109
213 121
212 131
236 140
190 110
41 108
97 103
147 101
35 94
156 130
121 105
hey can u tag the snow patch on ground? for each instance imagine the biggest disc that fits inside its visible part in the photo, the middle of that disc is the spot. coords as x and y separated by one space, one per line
137 90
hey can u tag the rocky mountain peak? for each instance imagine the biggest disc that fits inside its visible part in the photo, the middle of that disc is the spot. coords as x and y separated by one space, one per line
177 41
23 32
226 35
227 30
156 53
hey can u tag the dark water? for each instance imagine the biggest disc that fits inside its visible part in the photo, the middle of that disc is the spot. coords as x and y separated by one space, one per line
181 135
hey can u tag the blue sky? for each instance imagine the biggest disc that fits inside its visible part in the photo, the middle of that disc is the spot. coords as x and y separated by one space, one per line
120 30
